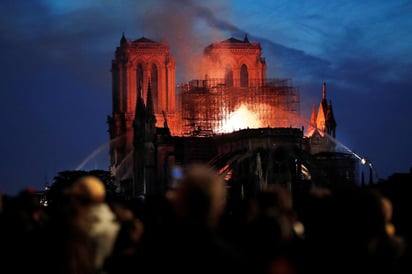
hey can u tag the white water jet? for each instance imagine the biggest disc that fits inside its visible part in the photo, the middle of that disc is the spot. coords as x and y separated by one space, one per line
97 152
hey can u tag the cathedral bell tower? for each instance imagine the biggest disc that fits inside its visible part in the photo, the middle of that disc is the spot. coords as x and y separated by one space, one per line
237 62
134 64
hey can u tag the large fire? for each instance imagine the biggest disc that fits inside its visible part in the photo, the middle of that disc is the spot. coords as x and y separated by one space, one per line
257 116
241 118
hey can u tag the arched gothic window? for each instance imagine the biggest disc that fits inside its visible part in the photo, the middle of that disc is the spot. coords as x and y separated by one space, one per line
154 84
229 76
244 76
139 78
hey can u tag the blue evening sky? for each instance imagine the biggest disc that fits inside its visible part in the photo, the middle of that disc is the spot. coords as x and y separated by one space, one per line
56 82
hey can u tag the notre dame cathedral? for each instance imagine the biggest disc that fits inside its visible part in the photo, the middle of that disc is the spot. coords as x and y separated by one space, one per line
233 117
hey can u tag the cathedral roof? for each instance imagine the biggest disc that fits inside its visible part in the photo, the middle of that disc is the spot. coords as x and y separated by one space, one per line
144 39
234 40
233 43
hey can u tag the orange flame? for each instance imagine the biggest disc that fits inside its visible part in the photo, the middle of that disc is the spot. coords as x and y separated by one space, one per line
240 119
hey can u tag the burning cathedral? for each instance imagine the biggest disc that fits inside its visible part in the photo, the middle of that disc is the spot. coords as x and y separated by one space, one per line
233 117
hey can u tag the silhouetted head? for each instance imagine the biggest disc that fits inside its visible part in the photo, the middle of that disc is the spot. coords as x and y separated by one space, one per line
88 189
200 197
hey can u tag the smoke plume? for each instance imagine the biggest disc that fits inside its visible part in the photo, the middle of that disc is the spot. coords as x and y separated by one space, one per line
188 27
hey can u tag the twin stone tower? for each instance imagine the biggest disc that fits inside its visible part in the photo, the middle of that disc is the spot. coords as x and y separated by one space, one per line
157 125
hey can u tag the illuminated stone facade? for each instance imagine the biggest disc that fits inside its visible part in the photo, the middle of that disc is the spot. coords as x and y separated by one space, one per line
235 61
136 63
157 125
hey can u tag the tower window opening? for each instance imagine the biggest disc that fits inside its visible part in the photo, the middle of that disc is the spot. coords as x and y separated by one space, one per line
244 76
139 78
154 86
229 76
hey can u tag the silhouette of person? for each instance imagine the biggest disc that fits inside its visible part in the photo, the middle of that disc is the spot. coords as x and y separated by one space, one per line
82 229
190 241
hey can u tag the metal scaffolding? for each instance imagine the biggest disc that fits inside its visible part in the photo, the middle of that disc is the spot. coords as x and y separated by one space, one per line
205 105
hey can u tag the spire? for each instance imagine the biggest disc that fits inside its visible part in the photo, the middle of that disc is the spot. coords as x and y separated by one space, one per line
313 116
140 109
123 40
149 102
150 113
138 146
323 102
330 120
246 40
324 91
320 119
312 125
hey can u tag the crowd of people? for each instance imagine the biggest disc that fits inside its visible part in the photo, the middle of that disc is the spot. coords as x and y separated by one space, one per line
194 228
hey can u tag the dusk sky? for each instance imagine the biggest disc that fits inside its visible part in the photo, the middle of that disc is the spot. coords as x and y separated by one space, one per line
56 82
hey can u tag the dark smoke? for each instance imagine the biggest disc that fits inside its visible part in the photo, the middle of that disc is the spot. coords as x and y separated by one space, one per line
188 27
209 16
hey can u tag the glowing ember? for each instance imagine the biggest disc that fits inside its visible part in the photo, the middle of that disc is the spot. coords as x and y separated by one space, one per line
240 119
